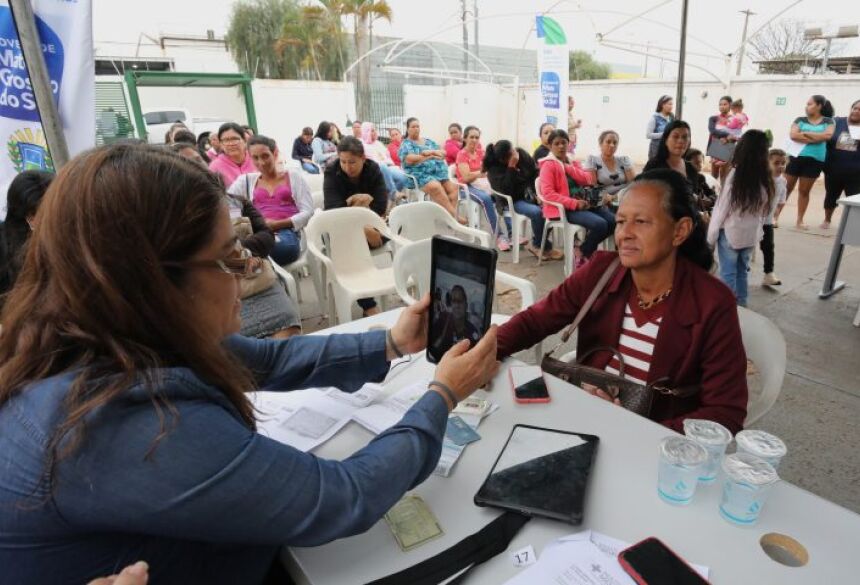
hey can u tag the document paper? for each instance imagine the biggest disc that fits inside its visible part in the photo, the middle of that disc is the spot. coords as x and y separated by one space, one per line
585 558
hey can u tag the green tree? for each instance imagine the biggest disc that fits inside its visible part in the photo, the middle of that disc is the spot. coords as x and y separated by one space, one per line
363 12
255 28
583 66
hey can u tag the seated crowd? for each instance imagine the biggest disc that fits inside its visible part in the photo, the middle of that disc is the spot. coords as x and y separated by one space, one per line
175 245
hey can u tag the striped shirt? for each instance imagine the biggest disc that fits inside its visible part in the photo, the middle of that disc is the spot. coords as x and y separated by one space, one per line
639 330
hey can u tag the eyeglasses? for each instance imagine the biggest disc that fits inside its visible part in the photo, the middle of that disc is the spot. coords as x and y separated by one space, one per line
233 140
239 263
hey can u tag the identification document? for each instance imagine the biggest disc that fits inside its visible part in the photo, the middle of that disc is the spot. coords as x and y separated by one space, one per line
412 522
460 432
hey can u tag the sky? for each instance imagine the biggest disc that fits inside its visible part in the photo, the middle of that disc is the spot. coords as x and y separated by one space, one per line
712 33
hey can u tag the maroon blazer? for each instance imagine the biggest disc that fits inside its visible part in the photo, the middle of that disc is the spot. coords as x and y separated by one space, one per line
699 342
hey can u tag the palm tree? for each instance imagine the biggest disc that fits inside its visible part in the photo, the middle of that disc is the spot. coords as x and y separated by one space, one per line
255 27
363 12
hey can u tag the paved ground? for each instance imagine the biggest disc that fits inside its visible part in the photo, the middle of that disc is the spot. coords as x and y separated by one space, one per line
818 410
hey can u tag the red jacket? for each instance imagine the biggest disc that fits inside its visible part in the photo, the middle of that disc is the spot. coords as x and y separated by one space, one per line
553 184
699 341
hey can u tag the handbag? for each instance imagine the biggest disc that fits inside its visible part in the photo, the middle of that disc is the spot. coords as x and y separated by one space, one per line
632 395
257 282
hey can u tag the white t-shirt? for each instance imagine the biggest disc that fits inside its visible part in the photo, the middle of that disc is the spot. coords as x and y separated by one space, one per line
778 198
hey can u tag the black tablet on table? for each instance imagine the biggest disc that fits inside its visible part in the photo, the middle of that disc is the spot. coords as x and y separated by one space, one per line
542 473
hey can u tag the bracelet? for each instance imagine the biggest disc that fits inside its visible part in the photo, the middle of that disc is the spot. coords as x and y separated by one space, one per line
446 391
393 345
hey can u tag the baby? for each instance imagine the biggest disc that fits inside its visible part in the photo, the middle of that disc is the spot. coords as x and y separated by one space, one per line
737 120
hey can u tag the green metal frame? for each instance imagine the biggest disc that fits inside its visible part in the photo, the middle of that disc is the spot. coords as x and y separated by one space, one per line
135 79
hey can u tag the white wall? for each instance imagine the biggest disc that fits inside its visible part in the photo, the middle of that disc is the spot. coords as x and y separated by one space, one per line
284 107
488 107
631 102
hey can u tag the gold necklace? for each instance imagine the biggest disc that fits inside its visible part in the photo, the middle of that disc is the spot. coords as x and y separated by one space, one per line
655 301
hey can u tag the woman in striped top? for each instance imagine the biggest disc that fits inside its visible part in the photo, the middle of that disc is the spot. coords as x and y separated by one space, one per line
662 310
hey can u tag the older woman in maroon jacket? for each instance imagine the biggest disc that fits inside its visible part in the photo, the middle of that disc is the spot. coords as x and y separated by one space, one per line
662 310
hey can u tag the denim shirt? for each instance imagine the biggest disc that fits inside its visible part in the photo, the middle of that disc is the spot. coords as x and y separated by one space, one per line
215 500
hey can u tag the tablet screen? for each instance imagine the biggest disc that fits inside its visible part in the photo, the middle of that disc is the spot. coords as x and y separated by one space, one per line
541 472
461 282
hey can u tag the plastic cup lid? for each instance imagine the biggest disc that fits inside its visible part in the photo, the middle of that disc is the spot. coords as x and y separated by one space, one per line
707 432
749 469
761 443
683 451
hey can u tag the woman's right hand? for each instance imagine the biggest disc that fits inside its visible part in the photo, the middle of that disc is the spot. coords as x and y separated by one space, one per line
465 370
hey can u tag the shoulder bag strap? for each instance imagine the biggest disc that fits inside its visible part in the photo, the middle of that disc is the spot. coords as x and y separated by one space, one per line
598 288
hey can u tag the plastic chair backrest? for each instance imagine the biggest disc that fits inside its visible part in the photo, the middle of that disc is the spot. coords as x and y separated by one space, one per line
412 268
315 182
419 220
345 242
765 346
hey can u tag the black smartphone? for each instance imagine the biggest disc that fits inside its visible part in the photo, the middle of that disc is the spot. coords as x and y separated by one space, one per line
528 384
651 562
462 283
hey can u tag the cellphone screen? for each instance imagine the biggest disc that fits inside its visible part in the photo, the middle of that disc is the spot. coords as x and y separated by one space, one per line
533 389
462 290
657 565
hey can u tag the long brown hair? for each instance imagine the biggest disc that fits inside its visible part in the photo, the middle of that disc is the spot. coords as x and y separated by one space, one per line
93 298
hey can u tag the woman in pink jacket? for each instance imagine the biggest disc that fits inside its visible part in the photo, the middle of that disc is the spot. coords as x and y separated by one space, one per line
560 179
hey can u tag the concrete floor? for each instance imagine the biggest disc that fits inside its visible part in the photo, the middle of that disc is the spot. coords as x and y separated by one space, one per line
818 409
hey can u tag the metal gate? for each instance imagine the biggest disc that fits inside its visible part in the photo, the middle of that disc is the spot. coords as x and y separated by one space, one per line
113 120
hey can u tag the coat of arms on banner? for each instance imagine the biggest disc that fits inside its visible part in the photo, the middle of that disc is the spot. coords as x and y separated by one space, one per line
28 150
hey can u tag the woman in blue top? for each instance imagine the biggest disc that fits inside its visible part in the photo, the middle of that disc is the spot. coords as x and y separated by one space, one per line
813 131
127 434
658 122
423 159
323 147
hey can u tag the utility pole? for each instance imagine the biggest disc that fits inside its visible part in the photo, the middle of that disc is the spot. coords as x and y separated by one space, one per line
475 27
682 59
463 14
647 52
31 47
747 14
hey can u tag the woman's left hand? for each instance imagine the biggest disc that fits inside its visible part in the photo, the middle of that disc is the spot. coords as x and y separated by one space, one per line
600 393
410 331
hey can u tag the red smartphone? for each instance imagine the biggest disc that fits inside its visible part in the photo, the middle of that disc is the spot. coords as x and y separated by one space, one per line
651 562
528 384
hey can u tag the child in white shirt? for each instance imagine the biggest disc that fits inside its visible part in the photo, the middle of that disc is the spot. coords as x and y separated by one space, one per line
778 160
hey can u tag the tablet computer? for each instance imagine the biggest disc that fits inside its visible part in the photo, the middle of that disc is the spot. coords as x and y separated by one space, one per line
462 279
541 472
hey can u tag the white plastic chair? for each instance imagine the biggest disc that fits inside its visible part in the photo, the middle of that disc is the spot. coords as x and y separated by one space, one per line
315 182
305 265
570 232
412 273
765 346
350 271
473 208
414 193
289 280
425 219
519 224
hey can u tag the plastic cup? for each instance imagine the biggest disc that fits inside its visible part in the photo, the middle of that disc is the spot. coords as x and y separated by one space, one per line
714 437
748 481
763 445
681 461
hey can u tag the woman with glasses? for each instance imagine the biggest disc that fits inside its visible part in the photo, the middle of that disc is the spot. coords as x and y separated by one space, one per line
233 160
123 392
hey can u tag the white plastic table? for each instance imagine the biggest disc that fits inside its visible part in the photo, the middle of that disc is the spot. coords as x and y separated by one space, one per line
622 501
848 234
